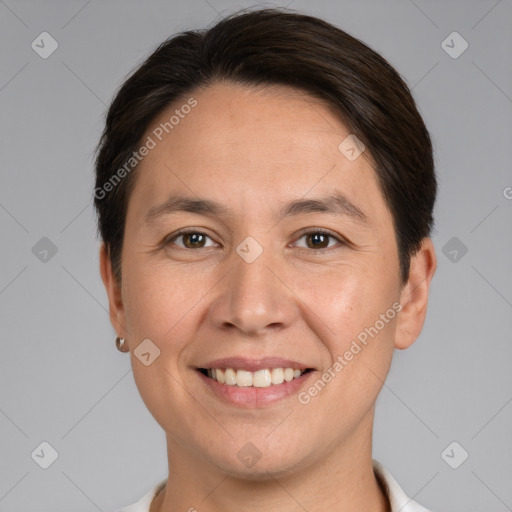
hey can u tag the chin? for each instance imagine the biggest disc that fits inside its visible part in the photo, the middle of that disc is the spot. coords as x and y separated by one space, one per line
247 462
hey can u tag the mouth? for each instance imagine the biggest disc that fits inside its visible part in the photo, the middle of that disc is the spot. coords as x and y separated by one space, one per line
262 378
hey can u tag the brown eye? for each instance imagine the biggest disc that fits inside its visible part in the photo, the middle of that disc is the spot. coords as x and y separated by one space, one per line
316 239
191 239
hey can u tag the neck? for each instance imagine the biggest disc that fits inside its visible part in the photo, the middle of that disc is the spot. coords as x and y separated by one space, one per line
342 479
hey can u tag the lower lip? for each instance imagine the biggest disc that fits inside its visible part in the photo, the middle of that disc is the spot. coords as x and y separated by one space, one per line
255 397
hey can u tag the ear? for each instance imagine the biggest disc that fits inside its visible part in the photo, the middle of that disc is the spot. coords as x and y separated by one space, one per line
116 307
414 295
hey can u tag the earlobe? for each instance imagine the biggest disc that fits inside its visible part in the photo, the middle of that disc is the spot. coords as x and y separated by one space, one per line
116 307
414 295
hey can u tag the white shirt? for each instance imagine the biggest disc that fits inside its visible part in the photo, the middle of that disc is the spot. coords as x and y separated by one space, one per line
397 497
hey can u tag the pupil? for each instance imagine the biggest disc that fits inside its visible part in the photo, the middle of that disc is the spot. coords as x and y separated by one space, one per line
194 238
315 237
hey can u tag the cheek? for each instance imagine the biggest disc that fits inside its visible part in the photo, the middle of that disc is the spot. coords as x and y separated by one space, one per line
358 348
154 300
358 309
159 307
349 299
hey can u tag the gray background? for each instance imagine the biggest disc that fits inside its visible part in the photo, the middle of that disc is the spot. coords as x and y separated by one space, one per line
61 378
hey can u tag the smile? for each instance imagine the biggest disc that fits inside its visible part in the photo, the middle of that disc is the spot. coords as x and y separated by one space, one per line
259 379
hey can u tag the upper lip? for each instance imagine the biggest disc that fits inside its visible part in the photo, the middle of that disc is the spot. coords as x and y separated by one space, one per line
252 365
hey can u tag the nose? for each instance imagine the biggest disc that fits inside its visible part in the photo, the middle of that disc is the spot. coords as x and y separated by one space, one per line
253 298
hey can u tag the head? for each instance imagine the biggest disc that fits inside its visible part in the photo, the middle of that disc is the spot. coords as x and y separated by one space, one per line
295 160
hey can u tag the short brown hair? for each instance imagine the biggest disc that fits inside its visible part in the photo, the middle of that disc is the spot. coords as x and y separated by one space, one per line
278 46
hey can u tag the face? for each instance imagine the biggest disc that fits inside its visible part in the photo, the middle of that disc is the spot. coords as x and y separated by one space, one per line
254 285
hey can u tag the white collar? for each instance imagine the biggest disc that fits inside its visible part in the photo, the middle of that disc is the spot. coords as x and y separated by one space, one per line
399 501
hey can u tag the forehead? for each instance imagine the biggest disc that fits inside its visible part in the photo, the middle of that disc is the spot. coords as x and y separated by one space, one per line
238 143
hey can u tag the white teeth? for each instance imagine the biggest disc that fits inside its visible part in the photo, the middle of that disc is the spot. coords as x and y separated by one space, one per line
220 376
277 376
262 379
243 378
288 374
230 377
259 379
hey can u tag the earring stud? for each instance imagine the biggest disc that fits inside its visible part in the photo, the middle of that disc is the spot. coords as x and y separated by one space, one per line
121 345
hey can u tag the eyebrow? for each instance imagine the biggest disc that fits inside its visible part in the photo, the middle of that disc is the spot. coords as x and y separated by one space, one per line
335 203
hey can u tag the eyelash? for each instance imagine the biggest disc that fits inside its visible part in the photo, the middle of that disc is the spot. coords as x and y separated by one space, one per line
168 240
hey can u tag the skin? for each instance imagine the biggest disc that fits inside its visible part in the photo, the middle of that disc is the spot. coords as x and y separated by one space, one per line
253 149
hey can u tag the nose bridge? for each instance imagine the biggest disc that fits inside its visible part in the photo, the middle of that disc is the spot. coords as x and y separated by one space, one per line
252 298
